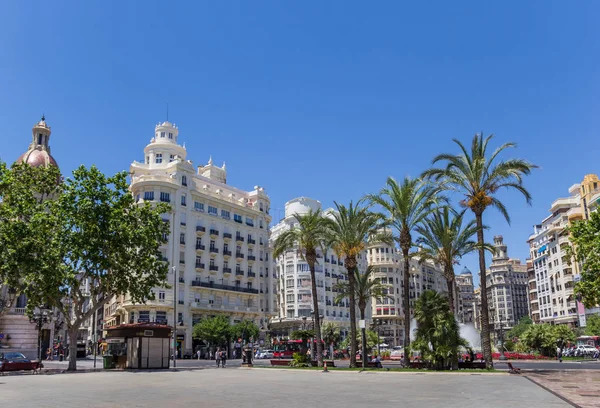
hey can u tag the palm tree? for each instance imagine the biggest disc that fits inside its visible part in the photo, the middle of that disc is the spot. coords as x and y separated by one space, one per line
479 177
444 240
349 229
407 205
437 335
330 333
365 288
306 237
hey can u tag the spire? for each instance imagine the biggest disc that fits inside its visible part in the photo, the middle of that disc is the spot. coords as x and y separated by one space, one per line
210 160
224 167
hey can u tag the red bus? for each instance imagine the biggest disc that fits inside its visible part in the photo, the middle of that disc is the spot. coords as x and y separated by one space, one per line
287 348
593 341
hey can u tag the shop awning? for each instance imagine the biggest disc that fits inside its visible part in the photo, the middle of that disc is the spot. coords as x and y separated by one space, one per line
542 249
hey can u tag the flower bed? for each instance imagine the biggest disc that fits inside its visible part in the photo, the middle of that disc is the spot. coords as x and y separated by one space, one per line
515 356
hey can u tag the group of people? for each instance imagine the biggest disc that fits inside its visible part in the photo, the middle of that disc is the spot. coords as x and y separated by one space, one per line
220 357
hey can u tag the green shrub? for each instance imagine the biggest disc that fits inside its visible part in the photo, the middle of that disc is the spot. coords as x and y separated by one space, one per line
299 360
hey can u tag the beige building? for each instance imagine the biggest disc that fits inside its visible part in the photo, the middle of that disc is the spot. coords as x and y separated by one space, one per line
465 296
218 248
552 281
506 288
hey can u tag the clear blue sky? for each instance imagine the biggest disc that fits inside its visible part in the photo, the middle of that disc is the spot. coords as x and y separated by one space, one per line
321 99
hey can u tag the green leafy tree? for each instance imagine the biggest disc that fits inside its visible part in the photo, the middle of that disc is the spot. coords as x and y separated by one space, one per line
349 231
246 330
444 240
407 205
306 237
25 231
539 337
214 330
520 328
562 335
437 334
592 327
305 336
478 177
330 333
585 236
371 338
100 244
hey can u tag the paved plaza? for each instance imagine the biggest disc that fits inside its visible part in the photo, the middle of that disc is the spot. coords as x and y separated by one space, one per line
265 387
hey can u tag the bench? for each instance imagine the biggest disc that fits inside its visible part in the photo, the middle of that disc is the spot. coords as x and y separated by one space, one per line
471 365
285 363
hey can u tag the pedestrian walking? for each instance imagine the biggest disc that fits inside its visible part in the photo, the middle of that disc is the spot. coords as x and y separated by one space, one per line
223 357
198 354
218 357
559 354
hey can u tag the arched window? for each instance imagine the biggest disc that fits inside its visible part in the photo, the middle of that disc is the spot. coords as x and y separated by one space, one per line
184 180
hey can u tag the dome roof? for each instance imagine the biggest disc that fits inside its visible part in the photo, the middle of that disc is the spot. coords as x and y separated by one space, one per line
37 158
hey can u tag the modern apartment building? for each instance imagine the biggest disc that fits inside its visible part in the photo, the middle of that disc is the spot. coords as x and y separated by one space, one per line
388 268
218 247
552 280
507 288
465 296
295 302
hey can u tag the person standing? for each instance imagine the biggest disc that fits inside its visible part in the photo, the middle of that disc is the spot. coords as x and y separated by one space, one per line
218 357
198 353
223 357
559 354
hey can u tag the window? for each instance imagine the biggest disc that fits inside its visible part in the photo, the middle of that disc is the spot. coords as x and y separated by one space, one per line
184 180
40 139
165 197
180 317
183 200
161 317
171 158
225 214
161 296
170 135
249 222
212 210
182 238
162 134
237 218
198 206
147 159
149 195
158 158
144 316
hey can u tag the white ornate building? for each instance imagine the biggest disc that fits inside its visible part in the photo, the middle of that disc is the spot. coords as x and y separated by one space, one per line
294 282
387 261
465 298
218 245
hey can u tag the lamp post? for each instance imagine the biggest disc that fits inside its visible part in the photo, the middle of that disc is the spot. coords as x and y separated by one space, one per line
377 326
39 318
502 356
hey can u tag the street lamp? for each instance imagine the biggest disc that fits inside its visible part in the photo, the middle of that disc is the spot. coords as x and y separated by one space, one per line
39 318
502 356
377 326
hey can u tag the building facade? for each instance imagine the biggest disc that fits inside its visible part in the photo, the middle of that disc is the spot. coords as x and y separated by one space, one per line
17 332
217 249
465 292
294 294
553 276
507 288
388 312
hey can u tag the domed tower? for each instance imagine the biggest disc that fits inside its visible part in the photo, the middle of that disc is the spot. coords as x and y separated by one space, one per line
163 148
38 153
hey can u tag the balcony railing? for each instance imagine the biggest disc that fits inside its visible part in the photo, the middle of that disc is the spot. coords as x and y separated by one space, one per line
200 228
213 267
214 232
251 258
214 250
227 235
226 252
251 274
251 241
200 247
239 255
239 272
199 265
223 287
239 238
226 270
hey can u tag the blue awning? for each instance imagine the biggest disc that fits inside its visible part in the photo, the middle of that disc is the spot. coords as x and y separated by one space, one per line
542 249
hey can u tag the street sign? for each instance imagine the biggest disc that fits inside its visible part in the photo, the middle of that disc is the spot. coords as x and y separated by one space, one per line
362 324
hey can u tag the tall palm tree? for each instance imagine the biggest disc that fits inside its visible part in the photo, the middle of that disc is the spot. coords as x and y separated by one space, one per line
365 288
478 177
349 229
306 237
407 203
444 240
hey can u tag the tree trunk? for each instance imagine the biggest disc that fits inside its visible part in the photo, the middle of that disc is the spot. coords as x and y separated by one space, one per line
405 241
485 320
73 347
311 259
350 266
450 284
364 353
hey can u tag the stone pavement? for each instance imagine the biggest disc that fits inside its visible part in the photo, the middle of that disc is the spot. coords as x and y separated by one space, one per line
581 387
266 387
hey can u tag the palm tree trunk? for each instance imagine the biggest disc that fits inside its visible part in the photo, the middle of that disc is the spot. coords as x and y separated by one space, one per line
405 241
450 283
350 266
311 260
485 321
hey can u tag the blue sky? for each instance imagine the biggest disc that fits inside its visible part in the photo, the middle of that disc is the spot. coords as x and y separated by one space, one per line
320 99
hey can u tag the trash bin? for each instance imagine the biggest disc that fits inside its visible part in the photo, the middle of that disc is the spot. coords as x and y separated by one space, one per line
108 362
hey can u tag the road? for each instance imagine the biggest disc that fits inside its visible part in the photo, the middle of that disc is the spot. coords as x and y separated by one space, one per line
268 388
500 365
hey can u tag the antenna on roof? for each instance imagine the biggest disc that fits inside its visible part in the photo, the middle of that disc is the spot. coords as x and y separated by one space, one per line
167 111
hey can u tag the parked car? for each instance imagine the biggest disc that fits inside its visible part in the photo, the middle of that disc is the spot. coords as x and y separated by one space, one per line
12 361
585 349
265 354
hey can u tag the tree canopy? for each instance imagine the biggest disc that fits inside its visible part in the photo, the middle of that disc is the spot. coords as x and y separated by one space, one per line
585 236
246 330
215 330
592 327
